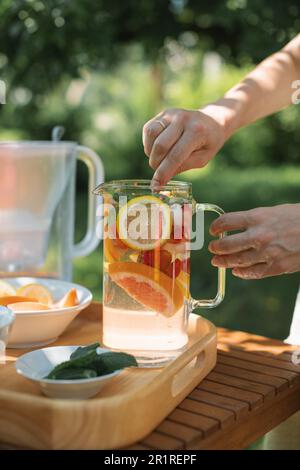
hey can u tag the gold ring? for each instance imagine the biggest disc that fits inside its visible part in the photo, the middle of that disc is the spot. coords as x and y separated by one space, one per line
162 123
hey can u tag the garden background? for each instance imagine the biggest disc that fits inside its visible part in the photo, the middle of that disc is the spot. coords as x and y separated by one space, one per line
103 68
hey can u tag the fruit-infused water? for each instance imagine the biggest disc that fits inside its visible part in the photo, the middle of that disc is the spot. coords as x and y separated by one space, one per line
146 279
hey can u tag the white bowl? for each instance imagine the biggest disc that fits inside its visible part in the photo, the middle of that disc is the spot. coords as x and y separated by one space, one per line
38 328
37 364
7 318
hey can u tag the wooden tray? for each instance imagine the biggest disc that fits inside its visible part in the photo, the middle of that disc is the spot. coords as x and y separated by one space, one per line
129 407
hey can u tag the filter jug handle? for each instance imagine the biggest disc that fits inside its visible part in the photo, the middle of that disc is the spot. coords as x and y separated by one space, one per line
96 176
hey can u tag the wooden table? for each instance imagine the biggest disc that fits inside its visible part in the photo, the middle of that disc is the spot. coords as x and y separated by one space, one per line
254 387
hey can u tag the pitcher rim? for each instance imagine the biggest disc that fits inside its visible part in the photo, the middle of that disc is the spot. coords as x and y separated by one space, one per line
141 184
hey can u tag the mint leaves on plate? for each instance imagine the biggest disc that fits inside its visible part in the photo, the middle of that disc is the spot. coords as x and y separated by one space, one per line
86 362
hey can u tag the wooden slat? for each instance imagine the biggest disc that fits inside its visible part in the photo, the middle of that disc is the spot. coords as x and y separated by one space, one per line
222 416
247 393
219 375
205 425
254 425
258 343
178 431
262 359
253 399
138 447
238 407
251 348
225 358
275 382
157 440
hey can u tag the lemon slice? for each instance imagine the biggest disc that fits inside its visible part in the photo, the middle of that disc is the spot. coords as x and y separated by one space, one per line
36 291
144 223
6 289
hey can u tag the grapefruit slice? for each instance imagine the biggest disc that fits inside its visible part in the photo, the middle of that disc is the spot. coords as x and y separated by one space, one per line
36 291
148 286
144 223
6 289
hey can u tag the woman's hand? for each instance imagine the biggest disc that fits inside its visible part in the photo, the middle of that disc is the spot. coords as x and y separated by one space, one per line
177 139
269 244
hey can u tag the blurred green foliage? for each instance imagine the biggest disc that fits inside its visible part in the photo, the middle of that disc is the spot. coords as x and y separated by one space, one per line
103 68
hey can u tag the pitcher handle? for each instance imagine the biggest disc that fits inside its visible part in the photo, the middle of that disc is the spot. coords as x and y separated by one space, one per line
96 176
211 303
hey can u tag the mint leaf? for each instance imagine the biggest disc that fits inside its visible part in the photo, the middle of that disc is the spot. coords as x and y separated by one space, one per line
88 360
109 362
82 350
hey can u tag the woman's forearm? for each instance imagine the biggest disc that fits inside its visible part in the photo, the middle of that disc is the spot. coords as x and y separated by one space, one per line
265 90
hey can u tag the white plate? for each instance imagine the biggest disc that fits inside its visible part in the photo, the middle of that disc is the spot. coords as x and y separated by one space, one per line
38 328
37 364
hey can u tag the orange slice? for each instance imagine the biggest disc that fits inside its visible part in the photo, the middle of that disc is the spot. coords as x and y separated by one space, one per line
69 300
6 289
13 299
113 251
144 223
148 286
184 282
37 291
28 306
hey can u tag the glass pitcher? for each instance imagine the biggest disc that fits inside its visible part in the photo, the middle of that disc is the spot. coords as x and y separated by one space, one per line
37 202
146 277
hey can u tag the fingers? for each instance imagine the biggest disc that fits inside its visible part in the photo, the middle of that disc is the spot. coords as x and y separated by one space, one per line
163 143
232 244
242 259
174 159
151 131
197 159
258 271
229 222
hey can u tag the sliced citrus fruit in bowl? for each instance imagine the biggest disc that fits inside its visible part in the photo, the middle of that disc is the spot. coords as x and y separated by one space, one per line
36 291
12 299
28 307
70 299
144 223
6 289
150 287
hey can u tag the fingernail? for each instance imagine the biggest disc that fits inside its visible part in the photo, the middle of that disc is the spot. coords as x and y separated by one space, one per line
155 185
217 261
211 247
